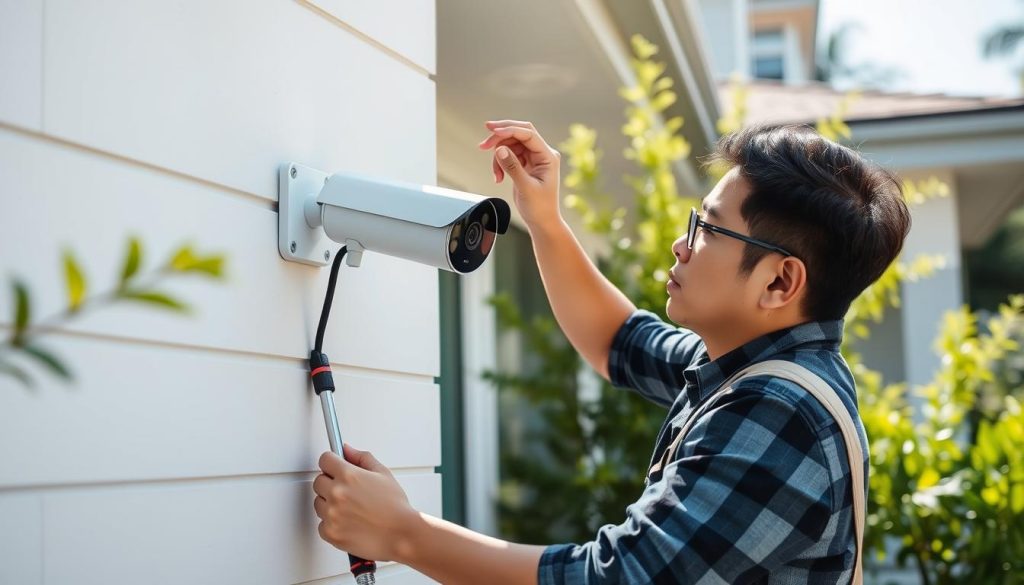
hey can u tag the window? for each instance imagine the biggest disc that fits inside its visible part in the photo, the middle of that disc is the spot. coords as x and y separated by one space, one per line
768 53
768 68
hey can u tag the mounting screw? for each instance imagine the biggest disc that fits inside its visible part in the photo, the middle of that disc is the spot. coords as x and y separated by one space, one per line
325 180
292 247
327 255
293 172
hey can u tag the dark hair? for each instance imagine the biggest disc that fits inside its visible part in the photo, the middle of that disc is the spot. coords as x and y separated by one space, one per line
839 213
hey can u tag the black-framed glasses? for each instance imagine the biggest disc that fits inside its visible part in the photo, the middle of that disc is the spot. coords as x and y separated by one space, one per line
696 221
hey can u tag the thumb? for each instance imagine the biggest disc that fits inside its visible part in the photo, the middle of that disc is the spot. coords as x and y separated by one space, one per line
511 165
364 459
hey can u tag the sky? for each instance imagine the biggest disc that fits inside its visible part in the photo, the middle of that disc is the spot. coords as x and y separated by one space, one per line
936 44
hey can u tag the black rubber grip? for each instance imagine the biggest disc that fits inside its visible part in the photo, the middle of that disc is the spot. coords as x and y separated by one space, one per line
358 565
320 370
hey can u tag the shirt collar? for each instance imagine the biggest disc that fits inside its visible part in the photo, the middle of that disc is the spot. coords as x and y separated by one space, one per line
704 376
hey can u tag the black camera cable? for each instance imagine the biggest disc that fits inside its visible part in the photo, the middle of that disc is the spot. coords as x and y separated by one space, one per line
323 383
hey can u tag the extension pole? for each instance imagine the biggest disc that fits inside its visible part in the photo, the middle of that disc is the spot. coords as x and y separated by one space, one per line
323 382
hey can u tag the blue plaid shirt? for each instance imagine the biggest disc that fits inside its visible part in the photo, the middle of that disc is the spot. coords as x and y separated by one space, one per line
758 492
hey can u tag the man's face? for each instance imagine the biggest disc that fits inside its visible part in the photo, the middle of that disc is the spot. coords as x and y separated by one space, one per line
712 296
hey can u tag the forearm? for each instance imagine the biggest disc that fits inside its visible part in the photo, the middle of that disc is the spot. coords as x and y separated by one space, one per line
587 306
451 554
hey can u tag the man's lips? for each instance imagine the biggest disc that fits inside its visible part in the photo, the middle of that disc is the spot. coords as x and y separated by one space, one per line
672 282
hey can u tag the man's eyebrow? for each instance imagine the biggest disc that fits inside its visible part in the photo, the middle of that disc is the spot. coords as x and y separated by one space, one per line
709 211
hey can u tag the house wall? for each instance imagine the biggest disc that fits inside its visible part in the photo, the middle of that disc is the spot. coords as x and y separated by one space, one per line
797 20
726 30
902 346
934 232
883 350
185 448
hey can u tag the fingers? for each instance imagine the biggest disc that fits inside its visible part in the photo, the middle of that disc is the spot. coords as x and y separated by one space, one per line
518 149
499 171
520 123
320 507
331 464
521 137
493 124
325 534
514 168
364 459
328 515
529 138
355 456
512 143
322 486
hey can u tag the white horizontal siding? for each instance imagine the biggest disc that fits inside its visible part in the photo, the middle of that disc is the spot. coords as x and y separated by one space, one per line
185 449
148 412
21 539
21 62
403 26
254 530
225 91
390 574
57 196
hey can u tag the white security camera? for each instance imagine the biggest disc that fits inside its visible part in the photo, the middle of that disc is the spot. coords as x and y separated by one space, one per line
439 227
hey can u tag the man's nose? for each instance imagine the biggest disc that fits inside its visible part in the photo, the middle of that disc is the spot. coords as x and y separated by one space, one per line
682 253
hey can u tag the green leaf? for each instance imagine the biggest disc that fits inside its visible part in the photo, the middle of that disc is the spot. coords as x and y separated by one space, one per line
22 311
132 260
16 373
663 100
1017 498
49 360
213 266
632 94
929 477
75 281
154 298
643 48
185 260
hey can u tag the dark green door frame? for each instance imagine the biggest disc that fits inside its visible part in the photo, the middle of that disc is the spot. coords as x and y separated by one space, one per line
452 469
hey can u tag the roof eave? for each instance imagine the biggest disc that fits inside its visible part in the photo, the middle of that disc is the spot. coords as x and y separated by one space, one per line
672 26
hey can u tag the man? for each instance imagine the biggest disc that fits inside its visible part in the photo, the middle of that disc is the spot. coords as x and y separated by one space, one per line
759 490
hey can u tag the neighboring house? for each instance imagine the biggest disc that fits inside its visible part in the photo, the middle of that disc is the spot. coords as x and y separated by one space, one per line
558 63
762 39
185 450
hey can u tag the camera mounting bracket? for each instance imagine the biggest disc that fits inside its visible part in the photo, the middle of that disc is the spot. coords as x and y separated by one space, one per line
297 239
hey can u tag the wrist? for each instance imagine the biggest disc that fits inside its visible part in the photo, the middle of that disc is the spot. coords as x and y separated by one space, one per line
409 538
547 229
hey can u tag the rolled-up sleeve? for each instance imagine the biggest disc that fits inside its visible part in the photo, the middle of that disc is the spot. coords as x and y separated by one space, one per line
748 491
648 355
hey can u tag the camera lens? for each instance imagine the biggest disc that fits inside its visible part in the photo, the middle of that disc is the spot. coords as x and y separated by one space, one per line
472 238
473 235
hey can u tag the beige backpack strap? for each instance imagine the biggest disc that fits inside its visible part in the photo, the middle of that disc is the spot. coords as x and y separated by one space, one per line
827 396
666 455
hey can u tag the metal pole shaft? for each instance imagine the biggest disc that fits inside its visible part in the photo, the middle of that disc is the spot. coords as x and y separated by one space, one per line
331 420
334 437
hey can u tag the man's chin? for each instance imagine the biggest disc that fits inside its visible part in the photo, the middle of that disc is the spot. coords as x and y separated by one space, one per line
675 315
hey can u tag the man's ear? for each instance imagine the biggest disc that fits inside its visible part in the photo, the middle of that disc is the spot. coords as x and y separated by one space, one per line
787 284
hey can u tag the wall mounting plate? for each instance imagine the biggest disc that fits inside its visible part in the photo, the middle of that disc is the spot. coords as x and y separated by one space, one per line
296 240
